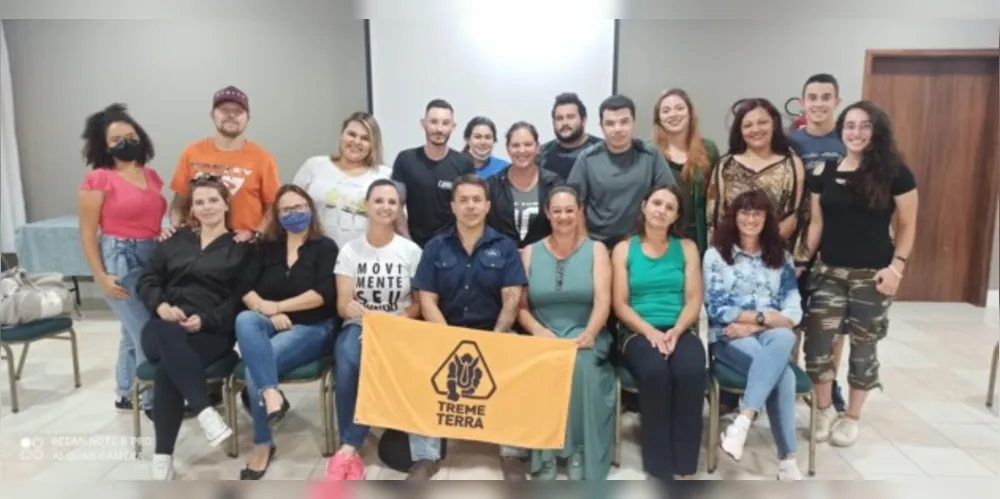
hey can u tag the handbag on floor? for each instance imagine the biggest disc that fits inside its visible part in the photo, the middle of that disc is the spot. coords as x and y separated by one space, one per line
27 297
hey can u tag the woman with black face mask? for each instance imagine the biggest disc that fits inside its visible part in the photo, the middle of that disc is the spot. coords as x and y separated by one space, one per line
291 310
121 214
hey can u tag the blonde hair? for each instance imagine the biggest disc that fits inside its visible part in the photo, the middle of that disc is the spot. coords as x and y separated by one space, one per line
374 137
697 156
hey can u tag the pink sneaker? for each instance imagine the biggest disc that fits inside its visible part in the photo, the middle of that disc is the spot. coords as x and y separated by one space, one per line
337 467
355 468
345 467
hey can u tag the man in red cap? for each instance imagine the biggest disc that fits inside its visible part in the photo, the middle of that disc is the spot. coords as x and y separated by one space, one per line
246 168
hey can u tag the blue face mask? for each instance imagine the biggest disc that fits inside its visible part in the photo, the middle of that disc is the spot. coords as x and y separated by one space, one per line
296 222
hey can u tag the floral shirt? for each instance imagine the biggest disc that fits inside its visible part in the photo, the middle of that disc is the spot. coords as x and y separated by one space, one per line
747 285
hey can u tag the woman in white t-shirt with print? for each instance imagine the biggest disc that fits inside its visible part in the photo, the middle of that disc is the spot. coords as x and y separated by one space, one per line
374 274
338 183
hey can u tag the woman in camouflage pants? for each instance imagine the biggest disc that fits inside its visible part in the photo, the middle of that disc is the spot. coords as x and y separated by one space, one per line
860 266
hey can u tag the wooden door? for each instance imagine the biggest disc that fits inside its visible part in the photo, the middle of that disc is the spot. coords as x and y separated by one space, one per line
944 108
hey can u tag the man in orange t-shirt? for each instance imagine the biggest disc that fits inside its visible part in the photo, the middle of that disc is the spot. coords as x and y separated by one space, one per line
246 168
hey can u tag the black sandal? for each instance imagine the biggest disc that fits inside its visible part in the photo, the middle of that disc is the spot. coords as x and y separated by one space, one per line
248 474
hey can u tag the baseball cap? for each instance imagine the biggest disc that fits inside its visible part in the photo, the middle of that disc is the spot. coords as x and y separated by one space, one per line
231 94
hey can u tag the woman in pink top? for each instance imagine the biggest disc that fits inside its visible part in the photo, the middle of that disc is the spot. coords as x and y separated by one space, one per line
121 215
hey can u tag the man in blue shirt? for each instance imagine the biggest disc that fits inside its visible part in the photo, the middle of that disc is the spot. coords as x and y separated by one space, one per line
817 143
470 276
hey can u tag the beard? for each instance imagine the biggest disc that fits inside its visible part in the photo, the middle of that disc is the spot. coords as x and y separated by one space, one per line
228 134
572 137
437 139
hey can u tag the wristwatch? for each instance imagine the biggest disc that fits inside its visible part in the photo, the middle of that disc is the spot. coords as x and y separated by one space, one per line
760 318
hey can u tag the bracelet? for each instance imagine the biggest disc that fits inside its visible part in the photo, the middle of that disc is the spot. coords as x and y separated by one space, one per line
894 271
897 257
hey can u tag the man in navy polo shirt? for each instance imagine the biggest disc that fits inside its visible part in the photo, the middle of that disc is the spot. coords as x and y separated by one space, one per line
469 276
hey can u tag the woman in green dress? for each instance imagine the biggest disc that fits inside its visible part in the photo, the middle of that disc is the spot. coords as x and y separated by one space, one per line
691 158
569 296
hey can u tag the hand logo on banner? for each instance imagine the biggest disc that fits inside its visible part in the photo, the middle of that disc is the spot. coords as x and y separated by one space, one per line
465 375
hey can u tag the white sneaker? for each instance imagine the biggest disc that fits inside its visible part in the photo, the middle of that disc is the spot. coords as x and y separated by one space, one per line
845 432
216 429
825 418
162 467
735 437
788 469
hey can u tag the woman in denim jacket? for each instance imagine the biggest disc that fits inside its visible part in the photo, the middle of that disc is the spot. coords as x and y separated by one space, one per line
752 300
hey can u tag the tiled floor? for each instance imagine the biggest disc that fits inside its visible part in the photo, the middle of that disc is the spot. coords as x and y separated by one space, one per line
930 422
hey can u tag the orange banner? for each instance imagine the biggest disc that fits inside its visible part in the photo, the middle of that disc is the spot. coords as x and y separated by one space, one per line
451 382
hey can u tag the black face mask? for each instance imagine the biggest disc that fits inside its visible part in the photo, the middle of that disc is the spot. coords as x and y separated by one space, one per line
126 150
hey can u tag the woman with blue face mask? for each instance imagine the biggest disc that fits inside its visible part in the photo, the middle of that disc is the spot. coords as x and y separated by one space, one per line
291 311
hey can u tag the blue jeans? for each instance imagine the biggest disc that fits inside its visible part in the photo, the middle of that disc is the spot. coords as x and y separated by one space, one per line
125 259
347 353
763 357
268 354
429 448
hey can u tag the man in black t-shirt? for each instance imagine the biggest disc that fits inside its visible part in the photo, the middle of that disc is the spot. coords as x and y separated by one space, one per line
426 174
569 120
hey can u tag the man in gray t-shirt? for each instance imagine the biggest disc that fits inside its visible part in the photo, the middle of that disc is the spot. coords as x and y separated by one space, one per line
612 177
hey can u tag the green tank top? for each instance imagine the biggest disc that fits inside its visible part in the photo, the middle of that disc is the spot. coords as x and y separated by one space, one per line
656 285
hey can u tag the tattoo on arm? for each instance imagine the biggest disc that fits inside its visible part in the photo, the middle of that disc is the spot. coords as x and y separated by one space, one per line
508 314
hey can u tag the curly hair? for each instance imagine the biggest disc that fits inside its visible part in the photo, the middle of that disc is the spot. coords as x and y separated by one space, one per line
727 234
880 161
676 229
95 137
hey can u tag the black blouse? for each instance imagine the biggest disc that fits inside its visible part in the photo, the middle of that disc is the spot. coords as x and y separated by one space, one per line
208 282
313 270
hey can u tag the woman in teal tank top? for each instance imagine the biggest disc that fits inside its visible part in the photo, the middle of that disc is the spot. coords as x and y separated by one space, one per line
657 298
569 296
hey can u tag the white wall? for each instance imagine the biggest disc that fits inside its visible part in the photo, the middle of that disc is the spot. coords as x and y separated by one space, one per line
507 70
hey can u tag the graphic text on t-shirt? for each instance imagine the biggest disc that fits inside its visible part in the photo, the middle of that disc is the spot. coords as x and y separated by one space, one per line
383 281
